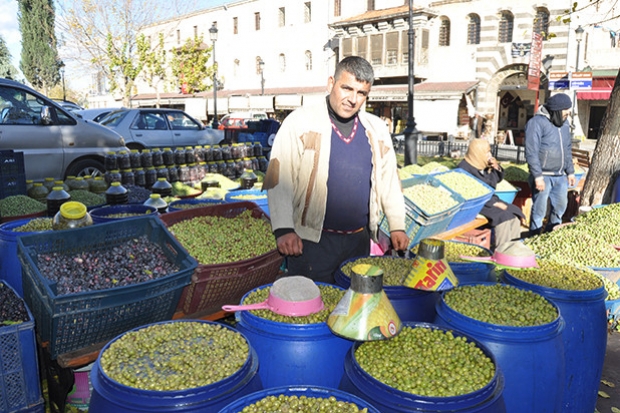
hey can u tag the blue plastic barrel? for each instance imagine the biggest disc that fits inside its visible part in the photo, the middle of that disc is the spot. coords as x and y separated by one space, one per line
531 358
299 391
585 341
104 213
294 354
387 399
111 396
10 267
410 304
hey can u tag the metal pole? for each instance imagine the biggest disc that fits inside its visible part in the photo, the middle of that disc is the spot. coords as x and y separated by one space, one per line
572 126
64 95
215 123
262 83
411 133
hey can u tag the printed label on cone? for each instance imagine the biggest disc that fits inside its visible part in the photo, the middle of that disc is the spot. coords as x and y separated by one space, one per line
430 275
364 317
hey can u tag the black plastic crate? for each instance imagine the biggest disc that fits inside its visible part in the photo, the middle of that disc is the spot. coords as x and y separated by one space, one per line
75 321
11 162
12 184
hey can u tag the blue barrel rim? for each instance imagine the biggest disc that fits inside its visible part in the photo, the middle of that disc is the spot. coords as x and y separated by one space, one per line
6 227
491 390
557 293
319 390
495 331
193 201
101 213
389 289
342 278
155 396
257 323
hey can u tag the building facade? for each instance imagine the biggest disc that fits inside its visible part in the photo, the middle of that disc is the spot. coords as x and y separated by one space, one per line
471 59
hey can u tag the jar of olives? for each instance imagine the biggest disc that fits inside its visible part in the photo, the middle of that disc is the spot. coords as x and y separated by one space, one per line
116 194
71 215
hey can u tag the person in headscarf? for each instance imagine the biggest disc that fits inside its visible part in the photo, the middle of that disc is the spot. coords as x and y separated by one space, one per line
504 219
548 152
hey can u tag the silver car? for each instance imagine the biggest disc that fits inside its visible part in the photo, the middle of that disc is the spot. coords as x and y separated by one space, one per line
55 142
95 114
159 128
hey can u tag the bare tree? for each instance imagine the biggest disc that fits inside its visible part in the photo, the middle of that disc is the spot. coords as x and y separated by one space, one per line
153 62
605 165
102 35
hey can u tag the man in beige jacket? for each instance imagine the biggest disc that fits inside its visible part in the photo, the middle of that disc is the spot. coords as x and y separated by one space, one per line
332 172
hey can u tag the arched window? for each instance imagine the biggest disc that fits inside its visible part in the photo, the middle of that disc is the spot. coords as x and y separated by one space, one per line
282 61
541 22
308 60
506 24
444 32
473 29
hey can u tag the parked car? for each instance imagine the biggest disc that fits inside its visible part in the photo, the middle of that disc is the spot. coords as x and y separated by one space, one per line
95 114
158 128
240 119
55 142
67 104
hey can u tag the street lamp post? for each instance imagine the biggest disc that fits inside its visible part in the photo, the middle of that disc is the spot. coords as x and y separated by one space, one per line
213 36
578 37
261 66
411 133
62 74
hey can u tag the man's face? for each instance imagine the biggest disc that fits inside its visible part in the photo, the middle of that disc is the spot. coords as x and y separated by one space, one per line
346 94
565 113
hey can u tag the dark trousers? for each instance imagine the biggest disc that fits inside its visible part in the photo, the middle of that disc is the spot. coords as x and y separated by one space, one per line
321 260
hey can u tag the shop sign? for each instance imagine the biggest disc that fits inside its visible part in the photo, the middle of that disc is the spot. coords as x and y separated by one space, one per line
533 73
570 80
581 81
559 80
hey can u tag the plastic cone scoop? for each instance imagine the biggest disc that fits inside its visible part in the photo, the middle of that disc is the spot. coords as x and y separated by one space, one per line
365 312
510 255
295 295
430 269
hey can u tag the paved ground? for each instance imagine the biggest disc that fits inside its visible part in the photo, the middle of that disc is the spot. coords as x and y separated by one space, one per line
610 377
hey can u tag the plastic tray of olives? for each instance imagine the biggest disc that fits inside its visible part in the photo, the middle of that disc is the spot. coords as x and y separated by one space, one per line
475 194
419 223
73 321
428 210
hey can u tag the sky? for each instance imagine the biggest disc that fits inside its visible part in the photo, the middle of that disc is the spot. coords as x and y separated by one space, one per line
76 78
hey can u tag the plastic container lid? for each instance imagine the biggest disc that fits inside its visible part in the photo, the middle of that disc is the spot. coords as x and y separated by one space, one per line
73 210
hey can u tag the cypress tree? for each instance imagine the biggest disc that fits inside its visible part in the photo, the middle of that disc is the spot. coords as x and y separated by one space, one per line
7 70
39 60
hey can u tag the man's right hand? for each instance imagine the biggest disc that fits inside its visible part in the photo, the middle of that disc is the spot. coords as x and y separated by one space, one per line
540 184
290 244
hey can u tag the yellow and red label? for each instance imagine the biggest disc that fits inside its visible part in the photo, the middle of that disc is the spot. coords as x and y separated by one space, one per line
430 275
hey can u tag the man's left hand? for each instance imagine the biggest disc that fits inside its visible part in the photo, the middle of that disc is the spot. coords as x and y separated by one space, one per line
400 240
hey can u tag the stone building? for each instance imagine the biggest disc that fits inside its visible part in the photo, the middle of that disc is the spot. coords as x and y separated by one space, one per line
471 59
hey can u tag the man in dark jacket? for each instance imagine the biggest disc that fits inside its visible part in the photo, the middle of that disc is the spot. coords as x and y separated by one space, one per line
548 152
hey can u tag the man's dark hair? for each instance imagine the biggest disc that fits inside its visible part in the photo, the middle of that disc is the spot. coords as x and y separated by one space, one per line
358 67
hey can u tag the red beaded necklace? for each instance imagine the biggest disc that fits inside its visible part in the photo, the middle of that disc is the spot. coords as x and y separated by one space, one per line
351 136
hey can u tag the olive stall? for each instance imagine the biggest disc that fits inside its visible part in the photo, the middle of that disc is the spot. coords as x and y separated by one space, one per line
162 276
